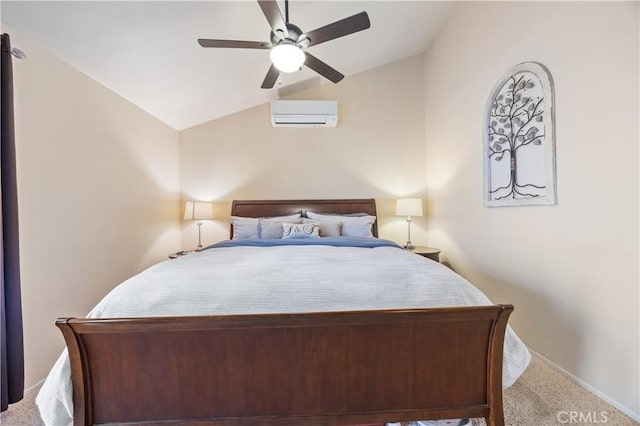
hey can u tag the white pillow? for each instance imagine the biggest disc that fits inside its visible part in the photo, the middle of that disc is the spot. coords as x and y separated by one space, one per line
245 228
299 230
248 228
327 228
270 230
352 226
357 228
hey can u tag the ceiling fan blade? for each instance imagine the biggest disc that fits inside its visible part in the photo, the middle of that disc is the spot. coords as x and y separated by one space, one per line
206 42
274 16
321 68
340 28
271 78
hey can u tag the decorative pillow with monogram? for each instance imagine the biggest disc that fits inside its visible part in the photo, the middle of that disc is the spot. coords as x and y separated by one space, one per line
300 230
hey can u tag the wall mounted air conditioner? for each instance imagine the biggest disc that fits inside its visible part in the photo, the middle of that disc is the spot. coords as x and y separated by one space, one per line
304 113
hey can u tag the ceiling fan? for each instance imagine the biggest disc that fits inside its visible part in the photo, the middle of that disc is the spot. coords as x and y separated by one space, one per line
288 41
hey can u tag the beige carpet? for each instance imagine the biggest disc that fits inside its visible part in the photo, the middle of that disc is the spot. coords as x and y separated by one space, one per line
541 397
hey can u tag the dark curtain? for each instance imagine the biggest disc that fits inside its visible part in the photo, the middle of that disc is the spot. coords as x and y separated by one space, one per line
12 349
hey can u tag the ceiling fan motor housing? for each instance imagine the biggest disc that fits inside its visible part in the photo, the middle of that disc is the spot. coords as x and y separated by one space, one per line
294 36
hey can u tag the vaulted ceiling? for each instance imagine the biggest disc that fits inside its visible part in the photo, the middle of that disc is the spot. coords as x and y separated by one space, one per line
146 51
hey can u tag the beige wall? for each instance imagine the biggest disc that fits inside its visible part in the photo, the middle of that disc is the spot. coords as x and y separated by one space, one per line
571 270
376 151
98 190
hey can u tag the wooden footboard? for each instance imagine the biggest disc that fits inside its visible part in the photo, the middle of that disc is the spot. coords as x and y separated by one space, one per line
289 369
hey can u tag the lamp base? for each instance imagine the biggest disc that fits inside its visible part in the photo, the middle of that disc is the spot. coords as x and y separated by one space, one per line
199 236
409 245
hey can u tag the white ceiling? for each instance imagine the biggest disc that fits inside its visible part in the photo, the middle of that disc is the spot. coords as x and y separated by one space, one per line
146 51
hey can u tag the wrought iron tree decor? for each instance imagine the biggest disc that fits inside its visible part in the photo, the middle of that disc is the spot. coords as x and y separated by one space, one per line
516 118
519 139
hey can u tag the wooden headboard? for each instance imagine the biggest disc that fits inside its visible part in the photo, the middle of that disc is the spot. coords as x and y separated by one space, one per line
265 208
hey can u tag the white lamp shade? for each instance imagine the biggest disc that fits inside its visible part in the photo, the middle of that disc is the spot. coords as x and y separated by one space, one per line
287 57
198 210
409 207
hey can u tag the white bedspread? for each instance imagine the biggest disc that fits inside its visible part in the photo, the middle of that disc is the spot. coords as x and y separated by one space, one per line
237 280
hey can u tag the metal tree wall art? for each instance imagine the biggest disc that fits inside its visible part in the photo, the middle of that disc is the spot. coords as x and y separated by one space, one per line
519 139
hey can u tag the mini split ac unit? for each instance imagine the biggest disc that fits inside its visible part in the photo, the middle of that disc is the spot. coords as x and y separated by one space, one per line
304 113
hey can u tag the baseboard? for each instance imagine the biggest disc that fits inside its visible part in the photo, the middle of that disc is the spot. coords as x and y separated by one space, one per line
34 387
587 386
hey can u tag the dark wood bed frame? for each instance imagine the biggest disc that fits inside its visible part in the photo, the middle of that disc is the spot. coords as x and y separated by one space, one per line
329 368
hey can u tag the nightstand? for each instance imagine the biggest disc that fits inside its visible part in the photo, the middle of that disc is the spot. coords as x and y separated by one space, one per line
428 252
180 253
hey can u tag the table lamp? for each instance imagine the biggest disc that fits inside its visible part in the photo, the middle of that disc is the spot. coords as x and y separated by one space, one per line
409 207
198 210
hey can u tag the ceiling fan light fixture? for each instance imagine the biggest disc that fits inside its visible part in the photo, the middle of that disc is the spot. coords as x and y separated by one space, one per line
287 57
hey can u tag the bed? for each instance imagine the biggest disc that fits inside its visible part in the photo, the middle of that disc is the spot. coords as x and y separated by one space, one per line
314 331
